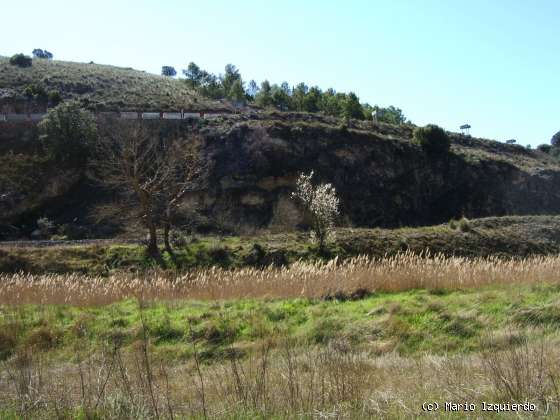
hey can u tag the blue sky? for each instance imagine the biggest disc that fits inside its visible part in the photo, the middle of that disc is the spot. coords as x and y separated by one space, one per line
493 64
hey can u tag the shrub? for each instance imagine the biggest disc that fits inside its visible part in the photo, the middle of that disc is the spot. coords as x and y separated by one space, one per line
39 53
28 91
7 344
545 148
219 255
255 256
168 71
432 139
465 225
73 231
68 133
555 140
20 60
46 226
43 339
54 97
179 239
321 203
35 91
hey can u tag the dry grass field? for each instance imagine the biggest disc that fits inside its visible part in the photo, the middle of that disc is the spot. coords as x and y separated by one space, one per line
361 338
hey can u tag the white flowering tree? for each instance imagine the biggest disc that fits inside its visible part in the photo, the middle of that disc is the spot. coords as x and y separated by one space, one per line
321 203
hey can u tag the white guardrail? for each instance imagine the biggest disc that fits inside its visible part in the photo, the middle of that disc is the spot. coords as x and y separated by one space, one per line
124 115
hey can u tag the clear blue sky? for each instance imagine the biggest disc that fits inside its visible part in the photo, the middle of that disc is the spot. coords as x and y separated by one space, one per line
494 64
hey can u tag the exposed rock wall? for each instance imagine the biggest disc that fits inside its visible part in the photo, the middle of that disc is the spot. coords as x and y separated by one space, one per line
383 179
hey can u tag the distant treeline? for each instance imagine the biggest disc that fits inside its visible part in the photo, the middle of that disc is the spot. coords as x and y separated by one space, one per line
303 98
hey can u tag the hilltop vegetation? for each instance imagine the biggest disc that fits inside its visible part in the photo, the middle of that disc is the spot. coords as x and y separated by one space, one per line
283 97
96 86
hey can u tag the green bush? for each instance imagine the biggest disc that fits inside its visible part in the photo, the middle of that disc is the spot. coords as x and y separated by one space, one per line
545 148
68 133
179 239
35 91
465 225
20 60
54 97
45 226
432 138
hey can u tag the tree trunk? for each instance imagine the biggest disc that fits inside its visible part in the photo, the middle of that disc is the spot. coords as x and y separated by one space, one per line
167 230
153 250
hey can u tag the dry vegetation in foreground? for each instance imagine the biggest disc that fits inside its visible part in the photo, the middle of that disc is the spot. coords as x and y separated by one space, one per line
279 380
341 349
335 279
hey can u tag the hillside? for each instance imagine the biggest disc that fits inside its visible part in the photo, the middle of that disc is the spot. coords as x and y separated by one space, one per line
251 161
99 87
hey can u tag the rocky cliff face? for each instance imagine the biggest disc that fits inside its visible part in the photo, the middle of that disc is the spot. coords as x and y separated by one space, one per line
250 167
383 180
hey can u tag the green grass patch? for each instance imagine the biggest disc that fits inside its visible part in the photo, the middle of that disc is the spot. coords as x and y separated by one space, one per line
408 322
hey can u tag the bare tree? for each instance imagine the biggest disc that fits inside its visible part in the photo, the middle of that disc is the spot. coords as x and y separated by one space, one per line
183 163
152 172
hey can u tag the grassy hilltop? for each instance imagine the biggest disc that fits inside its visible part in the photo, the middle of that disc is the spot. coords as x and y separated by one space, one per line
100 87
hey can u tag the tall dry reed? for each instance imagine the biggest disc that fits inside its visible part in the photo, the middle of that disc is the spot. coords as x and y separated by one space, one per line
301 279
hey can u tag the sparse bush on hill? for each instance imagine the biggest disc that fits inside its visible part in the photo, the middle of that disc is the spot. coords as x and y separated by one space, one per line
45 227
432 138
555 140
21 60
39 53
68 133
321 203
168 71
54 97
35 91
545 148
465 225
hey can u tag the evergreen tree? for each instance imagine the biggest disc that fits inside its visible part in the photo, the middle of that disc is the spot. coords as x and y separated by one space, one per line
298 97
352 107
555 140
230 77
313 99
193 75
168 71
237 93
264 97
252 89
280 97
